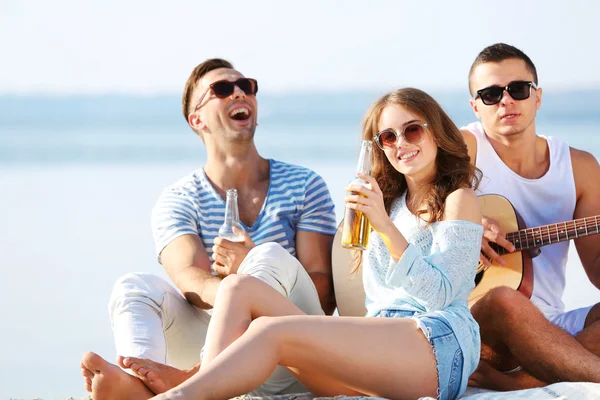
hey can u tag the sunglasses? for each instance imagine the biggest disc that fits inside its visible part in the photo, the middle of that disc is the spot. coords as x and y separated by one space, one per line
413 133
518 90
224 88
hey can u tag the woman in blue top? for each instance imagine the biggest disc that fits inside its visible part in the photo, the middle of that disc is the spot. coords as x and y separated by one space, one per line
418 271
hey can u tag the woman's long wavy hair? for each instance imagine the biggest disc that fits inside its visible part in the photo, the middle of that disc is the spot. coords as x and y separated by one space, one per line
453 169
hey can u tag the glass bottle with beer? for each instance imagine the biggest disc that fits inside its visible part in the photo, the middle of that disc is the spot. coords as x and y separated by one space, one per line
232 229
357 228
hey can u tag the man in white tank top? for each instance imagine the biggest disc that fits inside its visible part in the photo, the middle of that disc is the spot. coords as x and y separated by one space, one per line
531 341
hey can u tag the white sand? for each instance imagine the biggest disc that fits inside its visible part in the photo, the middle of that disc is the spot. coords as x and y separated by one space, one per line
67 234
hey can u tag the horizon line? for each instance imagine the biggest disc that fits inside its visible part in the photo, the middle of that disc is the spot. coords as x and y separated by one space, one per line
267 92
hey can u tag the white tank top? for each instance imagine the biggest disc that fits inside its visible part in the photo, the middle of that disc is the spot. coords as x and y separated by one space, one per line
541 201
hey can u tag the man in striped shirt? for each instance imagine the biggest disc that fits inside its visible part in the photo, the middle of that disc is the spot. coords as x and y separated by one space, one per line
289 218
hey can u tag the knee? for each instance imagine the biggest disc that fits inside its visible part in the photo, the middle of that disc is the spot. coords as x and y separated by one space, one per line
272 249
236 285
270 259
265 327
502 303
137 285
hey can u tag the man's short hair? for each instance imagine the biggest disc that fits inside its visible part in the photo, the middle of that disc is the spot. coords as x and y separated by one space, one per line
499 52
198 72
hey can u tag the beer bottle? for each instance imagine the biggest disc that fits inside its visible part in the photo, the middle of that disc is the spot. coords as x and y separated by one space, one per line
232 229
357 227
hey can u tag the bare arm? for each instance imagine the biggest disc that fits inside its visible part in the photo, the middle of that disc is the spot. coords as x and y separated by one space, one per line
586 172
187 264
314 253
471 142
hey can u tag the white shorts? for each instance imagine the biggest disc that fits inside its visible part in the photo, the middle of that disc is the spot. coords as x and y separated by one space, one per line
571 321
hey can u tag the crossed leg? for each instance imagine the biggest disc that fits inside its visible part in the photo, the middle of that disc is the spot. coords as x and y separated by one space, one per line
513 329
329 355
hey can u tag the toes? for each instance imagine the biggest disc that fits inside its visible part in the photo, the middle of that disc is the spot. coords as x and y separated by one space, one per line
152 376
87 373
87 384
93 362
136 366
473 384
121 361
131 362
125 361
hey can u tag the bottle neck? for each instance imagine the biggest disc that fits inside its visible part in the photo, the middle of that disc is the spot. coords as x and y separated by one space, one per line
364 159
231 210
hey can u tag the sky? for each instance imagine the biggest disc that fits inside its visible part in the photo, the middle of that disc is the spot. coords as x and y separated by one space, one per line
151 46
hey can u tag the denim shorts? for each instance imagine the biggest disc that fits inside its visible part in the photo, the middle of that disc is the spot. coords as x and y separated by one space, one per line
447 351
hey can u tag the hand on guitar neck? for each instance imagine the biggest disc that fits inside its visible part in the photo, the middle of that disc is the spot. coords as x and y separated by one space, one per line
494 240
495 244
505 234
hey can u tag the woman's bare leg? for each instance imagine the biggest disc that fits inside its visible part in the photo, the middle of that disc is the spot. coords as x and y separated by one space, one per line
387 357
241 298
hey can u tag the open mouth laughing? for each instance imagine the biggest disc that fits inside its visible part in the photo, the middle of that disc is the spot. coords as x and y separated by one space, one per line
240 113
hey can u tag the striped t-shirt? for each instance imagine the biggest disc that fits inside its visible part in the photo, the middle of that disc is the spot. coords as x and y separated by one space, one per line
297 199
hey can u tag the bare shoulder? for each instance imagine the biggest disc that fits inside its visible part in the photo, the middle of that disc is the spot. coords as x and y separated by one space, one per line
582 160
462 204
471 143
468 136
586 172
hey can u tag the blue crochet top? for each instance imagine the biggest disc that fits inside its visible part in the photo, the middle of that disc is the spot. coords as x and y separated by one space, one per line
435 275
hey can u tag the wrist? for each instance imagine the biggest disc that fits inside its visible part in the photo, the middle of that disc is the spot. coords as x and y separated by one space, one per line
388 229
394 240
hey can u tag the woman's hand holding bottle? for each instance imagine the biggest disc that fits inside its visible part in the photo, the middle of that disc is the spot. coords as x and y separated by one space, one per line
368 199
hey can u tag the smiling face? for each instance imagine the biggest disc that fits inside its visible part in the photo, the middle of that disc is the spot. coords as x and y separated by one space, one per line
509 117
229 118
415 161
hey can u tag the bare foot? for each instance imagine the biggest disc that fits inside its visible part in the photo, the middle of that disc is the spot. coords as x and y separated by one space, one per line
487 377
88 376
106 381
156 376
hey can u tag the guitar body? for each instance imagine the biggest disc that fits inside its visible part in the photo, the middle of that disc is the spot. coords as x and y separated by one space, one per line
517 274
348 289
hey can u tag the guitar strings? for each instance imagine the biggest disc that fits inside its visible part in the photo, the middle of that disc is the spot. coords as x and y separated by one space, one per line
530 237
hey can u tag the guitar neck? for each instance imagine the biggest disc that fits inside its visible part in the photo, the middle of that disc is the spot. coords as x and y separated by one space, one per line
554 233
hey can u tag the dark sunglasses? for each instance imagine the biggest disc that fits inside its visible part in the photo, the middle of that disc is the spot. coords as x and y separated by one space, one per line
225 88
518 90
413 133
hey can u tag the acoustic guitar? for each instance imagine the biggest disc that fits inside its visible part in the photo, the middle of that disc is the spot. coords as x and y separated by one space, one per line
518 271
516 274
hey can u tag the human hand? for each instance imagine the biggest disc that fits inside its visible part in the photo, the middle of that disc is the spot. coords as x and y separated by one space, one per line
369 200
228 255
493 233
